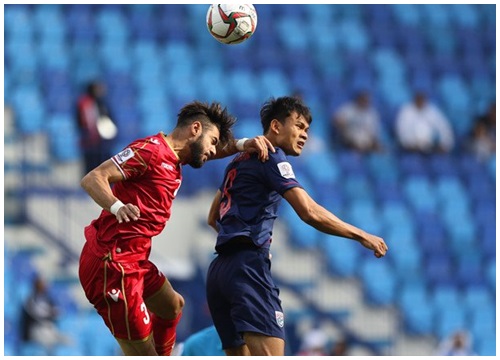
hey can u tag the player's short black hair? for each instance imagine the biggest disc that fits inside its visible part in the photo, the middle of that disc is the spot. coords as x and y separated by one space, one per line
281 108
208 114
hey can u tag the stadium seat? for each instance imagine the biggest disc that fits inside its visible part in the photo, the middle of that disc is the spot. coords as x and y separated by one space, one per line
465 14
378 281
420 193
486 344
436 14
407 14
470 268
341 256
32 349
449 319
413 300
445 295
476 297
439 269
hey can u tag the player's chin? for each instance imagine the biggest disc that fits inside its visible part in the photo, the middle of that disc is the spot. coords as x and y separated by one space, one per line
197 163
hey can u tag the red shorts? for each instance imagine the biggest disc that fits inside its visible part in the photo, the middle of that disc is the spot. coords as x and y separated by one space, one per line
118 289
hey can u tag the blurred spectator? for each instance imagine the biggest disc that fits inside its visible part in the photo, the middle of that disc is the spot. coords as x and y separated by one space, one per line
205 342
95 125
39 315
357 124
339 348
422 127
458 344
314 343
482 140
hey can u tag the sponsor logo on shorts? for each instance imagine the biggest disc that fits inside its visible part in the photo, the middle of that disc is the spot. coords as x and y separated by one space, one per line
286 170
154 141
114 294
124 155
280 318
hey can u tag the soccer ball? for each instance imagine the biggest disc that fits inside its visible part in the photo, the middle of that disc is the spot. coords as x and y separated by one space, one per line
231 23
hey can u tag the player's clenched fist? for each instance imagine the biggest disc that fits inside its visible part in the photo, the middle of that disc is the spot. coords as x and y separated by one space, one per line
376 244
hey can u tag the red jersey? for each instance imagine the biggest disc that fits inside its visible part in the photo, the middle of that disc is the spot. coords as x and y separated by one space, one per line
152 176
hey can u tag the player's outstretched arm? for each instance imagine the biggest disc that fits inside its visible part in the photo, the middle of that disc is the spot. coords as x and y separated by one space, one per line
321 219
259 144
96 184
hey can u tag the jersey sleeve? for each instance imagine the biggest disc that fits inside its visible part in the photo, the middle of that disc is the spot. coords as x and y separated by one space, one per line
134 160
279 173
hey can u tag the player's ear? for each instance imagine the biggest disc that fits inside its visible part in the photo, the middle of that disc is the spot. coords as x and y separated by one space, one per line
196 128
275 126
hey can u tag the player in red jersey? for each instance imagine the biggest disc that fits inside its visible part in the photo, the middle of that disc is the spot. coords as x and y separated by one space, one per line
136 301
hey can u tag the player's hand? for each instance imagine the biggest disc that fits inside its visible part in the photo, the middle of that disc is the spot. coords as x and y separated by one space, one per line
128 212
260 145
376 244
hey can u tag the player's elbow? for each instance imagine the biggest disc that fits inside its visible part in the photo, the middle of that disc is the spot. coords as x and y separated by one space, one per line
212 223
85 182
308 215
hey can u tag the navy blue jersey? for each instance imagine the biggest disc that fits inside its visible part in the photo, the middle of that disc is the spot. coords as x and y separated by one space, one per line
251 192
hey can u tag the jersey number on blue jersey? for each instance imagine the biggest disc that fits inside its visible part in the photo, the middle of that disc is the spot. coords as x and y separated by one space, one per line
225 203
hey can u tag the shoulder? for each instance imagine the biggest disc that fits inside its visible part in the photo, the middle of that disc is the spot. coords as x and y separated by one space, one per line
278 156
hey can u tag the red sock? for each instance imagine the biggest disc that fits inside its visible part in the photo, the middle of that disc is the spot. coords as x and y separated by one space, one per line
164 334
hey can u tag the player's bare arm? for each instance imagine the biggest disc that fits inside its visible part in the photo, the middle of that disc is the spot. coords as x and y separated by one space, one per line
323 220
259 144
97 184
213 214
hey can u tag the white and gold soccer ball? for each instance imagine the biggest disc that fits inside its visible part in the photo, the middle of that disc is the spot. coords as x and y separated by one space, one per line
231 23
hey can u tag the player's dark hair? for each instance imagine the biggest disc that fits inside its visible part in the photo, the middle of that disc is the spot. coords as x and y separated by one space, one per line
281 108
208 114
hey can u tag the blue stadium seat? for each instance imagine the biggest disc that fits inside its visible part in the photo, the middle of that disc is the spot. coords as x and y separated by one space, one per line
142 21
413 300
352 36
482 322
439 269
407 14
32 349
379 283
478 297
112 25
342 255
18 23
486 344
289 33
436 14
450 319
29 108
465 15
53 15
445 295
67 350
470 268
80 23
407 259
420 193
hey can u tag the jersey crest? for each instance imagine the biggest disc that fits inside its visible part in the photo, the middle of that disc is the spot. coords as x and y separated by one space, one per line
286 170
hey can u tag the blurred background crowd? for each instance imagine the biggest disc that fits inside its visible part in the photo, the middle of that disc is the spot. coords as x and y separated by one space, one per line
402 144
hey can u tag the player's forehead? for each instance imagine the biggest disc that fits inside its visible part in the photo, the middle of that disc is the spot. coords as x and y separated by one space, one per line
296 118
212 131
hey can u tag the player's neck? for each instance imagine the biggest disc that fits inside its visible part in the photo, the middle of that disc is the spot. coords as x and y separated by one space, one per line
174 144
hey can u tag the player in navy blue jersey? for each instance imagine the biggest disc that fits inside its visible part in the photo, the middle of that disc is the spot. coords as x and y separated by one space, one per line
243 300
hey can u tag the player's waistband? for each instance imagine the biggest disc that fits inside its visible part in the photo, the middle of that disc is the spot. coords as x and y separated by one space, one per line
132 250
239 243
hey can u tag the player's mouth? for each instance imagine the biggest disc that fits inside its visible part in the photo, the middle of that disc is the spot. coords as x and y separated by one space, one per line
301 144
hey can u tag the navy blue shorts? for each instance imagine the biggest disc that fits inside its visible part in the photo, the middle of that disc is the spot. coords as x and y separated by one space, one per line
242 296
